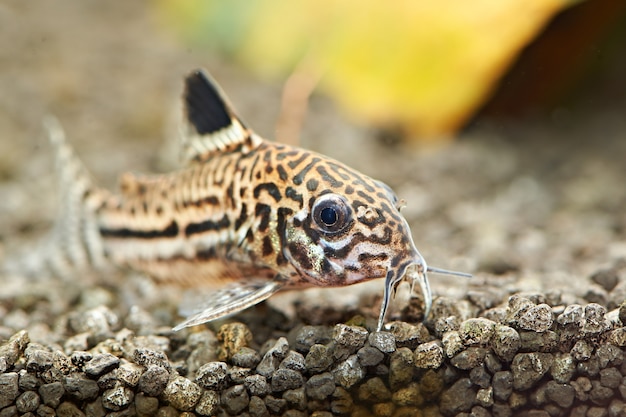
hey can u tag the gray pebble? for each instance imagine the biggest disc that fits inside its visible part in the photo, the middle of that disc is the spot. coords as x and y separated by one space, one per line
563 368
82 389
528 368
319 387
610 378
294 361
341 402
502 384
516 306
213 376
606 278
374 390
117 398
14 347
208 404
257 407
590 367
582 350
147 357
97 321
146 406
452 343
296 398
349 372
235 399
284 379
27 402
38 359
484 397
237 374
257 385
67 409
383 341
45 411
27 381
318 359
101 364
469 358
275 405
561 394
128 373
182 393
599 394
80 358
572 316
476 332
610 355
408 335
246 358
9 412
595 322
153 381
479 376
537 318
271 360
492 363
370 356
531 341
461 396
400 368
350 337
308 336
428 355
618 337
51 394
505 342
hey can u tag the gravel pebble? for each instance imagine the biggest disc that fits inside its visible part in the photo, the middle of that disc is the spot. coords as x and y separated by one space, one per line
505 342
531 341
246 358
320 386
348 372
153 381
400 368
208 404
370 356
145 405
285 379
561 394
51 393
273 357
237 374
476 332
27 402
318 359
529 368
461 396
374 390
14 347
383 341
101 364
233 336
275 405
408 335
428 355
67 409
308 336
536 318
351 338
563 368
257 385
296 398
213 375
294 361
469 358
117 398
595 322
182 393
257 407
452 343
80 388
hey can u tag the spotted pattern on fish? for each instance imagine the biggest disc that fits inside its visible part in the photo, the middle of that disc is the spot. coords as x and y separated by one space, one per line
252 215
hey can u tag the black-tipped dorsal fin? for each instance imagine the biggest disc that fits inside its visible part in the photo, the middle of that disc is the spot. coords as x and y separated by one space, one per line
211 125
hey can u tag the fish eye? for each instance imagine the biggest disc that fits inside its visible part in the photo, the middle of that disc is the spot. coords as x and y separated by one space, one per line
331 213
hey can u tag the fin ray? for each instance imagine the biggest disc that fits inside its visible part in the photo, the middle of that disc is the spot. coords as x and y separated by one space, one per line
211 124
229 300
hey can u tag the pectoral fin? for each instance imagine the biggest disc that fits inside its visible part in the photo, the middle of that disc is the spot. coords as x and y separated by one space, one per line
230 300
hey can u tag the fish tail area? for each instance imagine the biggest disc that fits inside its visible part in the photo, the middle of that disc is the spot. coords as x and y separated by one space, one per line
75 243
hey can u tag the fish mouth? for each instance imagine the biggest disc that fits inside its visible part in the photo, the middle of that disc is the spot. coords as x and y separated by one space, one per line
415 271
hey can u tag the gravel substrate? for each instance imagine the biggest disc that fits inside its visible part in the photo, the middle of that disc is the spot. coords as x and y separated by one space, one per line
530 355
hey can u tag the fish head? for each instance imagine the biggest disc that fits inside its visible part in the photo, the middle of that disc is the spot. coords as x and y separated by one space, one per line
350 233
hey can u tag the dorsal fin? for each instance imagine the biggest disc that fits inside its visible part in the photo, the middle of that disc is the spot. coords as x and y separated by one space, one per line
211 125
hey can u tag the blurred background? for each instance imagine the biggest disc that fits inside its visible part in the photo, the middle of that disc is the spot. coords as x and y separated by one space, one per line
501 123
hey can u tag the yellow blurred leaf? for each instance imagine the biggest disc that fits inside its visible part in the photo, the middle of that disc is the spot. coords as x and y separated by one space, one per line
422 65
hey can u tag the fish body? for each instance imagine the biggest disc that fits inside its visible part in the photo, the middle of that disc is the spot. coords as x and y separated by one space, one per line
251 215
